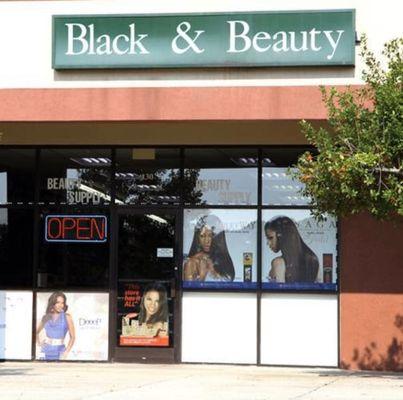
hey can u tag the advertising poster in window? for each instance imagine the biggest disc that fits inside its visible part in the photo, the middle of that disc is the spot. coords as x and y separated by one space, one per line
219 249
15 325
298 251
72 326
143 313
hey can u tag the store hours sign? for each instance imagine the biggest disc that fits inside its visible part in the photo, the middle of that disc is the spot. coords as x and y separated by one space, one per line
288 38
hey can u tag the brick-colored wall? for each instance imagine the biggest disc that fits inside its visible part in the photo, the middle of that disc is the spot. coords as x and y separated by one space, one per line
371 294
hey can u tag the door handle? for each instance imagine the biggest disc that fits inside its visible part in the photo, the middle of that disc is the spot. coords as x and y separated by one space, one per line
173 289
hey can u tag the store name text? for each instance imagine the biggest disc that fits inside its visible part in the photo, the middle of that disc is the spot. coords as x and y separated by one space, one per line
83 40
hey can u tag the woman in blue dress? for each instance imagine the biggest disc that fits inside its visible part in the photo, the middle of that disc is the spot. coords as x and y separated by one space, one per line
53 328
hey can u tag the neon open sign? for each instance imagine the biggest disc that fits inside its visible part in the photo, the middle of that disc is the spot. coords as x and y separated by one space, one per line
76 228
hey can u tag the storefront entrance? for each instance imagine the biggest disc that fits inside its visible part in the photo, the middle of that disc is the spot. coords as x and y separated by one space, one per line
147 306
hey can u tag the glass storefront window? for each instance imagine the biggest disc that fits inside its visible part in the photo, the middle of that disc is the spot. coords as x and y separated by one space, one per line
279 188
298 252
75 177
224 181
17 176
220 176
148 176
220 248
16 247
68 257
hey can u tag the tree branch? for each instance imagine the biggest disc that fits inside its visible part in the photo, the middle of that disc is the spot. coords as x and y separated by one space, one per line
396 171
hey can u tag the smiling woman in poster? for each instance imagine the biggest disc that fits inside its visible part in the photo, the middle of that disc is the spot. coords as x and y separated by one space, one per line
52 329
153 316
297 263
208 258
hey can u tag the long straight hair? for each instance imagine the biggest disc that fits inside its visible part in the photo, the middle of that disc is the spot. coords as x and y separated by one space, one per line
301 262
218 253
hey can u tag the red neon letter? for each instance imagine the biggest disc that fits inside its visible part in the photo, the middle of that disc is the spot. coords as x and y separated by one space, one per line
94 226
67 227
59 232
82 225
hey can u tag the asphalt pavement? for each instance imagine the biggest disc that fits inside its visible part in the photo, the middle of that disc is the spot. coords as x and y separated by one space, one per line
117 381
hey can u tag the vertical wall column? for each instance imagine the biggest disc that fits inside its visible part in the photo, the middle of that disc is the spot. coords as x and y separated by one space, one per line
371 297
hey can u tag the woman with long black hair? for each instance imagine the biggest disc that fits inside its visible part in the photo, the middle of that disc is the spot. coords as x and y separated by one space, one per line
297 263
208 258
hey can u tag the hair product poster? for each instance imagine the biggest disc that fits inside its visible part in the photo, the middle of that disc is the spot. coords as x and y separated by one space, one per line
72 326
298 251
144 313
219 248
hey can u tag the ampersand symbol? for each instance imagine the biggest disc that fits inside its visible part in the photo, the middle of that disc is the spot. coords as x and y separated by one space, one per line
182 29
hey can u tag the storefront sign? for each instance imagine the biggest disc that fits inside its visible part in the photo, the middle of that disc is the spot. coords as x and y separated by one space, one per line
289 38
76 228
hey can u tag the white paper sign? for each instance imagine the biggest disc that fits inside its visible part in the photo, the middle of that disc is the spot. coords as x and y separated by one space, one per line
15 325
165 252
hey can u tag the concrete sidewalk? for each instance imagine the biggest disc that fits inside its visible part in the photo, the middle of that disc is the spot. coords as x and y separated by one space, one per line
90 381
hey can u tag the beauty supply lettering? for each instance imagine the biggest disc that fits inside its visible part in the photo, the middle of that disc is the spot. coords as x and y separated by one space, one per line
76 191
207 40
220 191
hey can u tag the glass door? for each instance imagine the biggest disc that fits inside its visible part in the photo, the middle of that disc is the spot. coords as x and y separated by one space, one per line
147 283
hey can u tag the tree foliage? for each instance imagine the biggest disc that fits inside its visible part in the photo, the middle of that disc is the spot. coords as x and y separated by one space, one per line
359 161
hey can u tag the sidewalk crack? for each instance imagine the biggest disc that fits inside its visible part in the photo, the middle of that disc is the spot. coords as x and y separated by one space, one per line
300 396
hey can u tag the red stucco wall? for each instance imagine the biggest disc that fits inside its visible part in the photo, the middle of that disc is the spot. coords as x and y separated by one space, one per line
163 104
371 294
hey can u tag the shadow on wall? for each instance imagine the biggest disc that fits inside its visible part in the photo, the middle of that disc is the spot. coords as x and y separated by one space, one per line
371 359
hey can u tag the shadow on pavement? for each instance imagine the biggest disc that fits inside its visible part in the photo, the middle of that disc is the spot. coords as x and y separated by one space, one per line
360 374
14 371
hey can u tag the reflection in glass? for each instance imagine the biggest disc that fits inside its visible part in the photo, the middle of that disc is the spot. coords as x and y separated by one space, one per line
223 186
148 176
160 186
221 176
16 247
75 176
17 176
3 187
279 188
140 237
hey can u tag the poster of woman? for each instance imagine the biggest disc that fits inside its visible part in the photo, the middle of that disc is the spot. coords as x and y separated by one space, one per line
53 328
72 326
143 313
300 252
219 248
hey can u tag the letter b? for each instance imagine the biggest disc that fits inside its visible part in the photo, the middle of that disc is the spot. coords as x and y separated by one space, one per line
81 38
233 37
